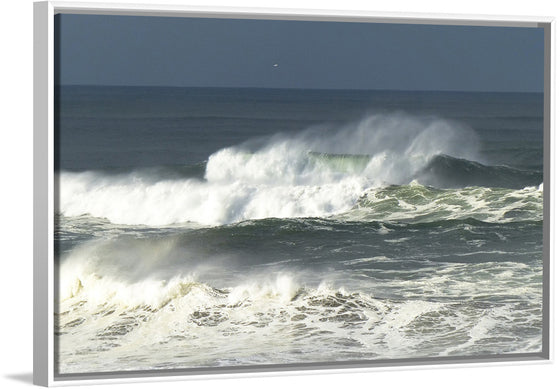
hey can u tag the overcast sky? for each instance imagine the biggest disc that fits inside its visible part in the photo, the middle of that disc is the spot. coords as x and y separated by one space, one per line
137 50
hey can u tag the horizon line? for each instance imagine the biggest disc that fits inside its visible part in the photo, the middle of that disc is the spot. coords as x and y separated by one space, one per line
296 88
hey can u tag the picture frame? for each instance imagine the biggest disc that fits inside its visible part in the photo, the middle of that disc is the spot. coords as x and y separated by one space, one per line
45 183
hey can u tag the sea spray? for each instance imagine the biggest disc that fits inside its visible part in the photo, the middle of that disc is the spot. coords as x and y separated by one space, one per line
282 177
427 241
396 145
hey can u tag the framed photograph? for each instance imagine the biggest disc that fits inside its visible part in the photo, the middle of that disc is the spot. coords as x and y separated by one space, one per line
226 191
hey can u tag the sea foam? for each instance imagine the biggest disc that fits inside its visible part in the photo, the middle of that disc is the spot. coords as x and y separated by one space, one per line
317 173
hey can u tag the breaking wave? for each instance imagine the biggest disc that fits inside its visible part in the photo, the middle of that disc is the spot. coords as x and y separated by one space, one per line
181 317
317 173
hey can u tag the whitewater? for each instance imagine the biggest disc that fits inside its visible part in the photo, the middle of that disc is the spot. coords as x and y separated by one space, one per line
311 230
299 176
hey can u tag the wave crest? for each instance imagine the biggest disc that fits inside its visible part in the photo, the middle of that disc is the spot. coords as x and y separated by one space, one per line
317 173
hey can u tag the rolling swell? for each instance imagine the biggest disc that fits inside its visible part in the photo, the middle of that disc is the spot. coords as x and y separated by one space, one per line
150 174
315 249
446 171
320 173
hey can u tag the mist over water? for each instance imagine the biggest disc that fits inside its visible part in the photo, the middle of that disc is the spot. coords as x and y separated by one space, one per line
397 146
318 172
318 227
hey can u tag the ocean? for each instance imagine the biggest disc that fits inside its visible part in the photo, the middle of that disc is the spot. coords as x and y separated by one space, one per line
207 227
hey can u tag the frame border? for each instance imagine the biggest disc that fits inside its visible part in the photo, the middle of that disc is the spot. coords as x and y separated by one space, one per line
43 183
43 193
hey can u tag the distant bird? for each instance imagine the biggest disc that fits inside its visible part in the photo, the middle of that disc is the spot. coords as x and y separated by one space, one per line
275 65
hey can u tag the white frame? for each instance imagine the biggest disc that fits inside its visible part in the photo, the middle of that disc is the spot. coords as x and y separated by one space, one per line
43 165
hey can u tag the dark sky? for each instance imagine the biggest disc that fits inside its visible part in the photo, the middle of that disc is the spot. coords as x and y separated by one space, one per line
136 50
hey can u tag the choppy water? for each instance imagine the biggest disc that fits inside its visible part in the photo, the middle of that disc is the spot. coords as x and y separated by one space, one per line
208 227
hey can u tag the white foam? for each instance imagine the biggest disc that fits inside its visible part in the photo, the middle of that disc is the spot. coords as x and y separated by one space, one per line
277 179
419 203
276 319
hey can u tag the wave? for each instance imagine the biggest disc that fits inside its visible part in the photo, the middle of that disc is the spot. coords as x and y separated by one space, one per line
101 315
91 293
416 203
318 173
446 171
385 149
